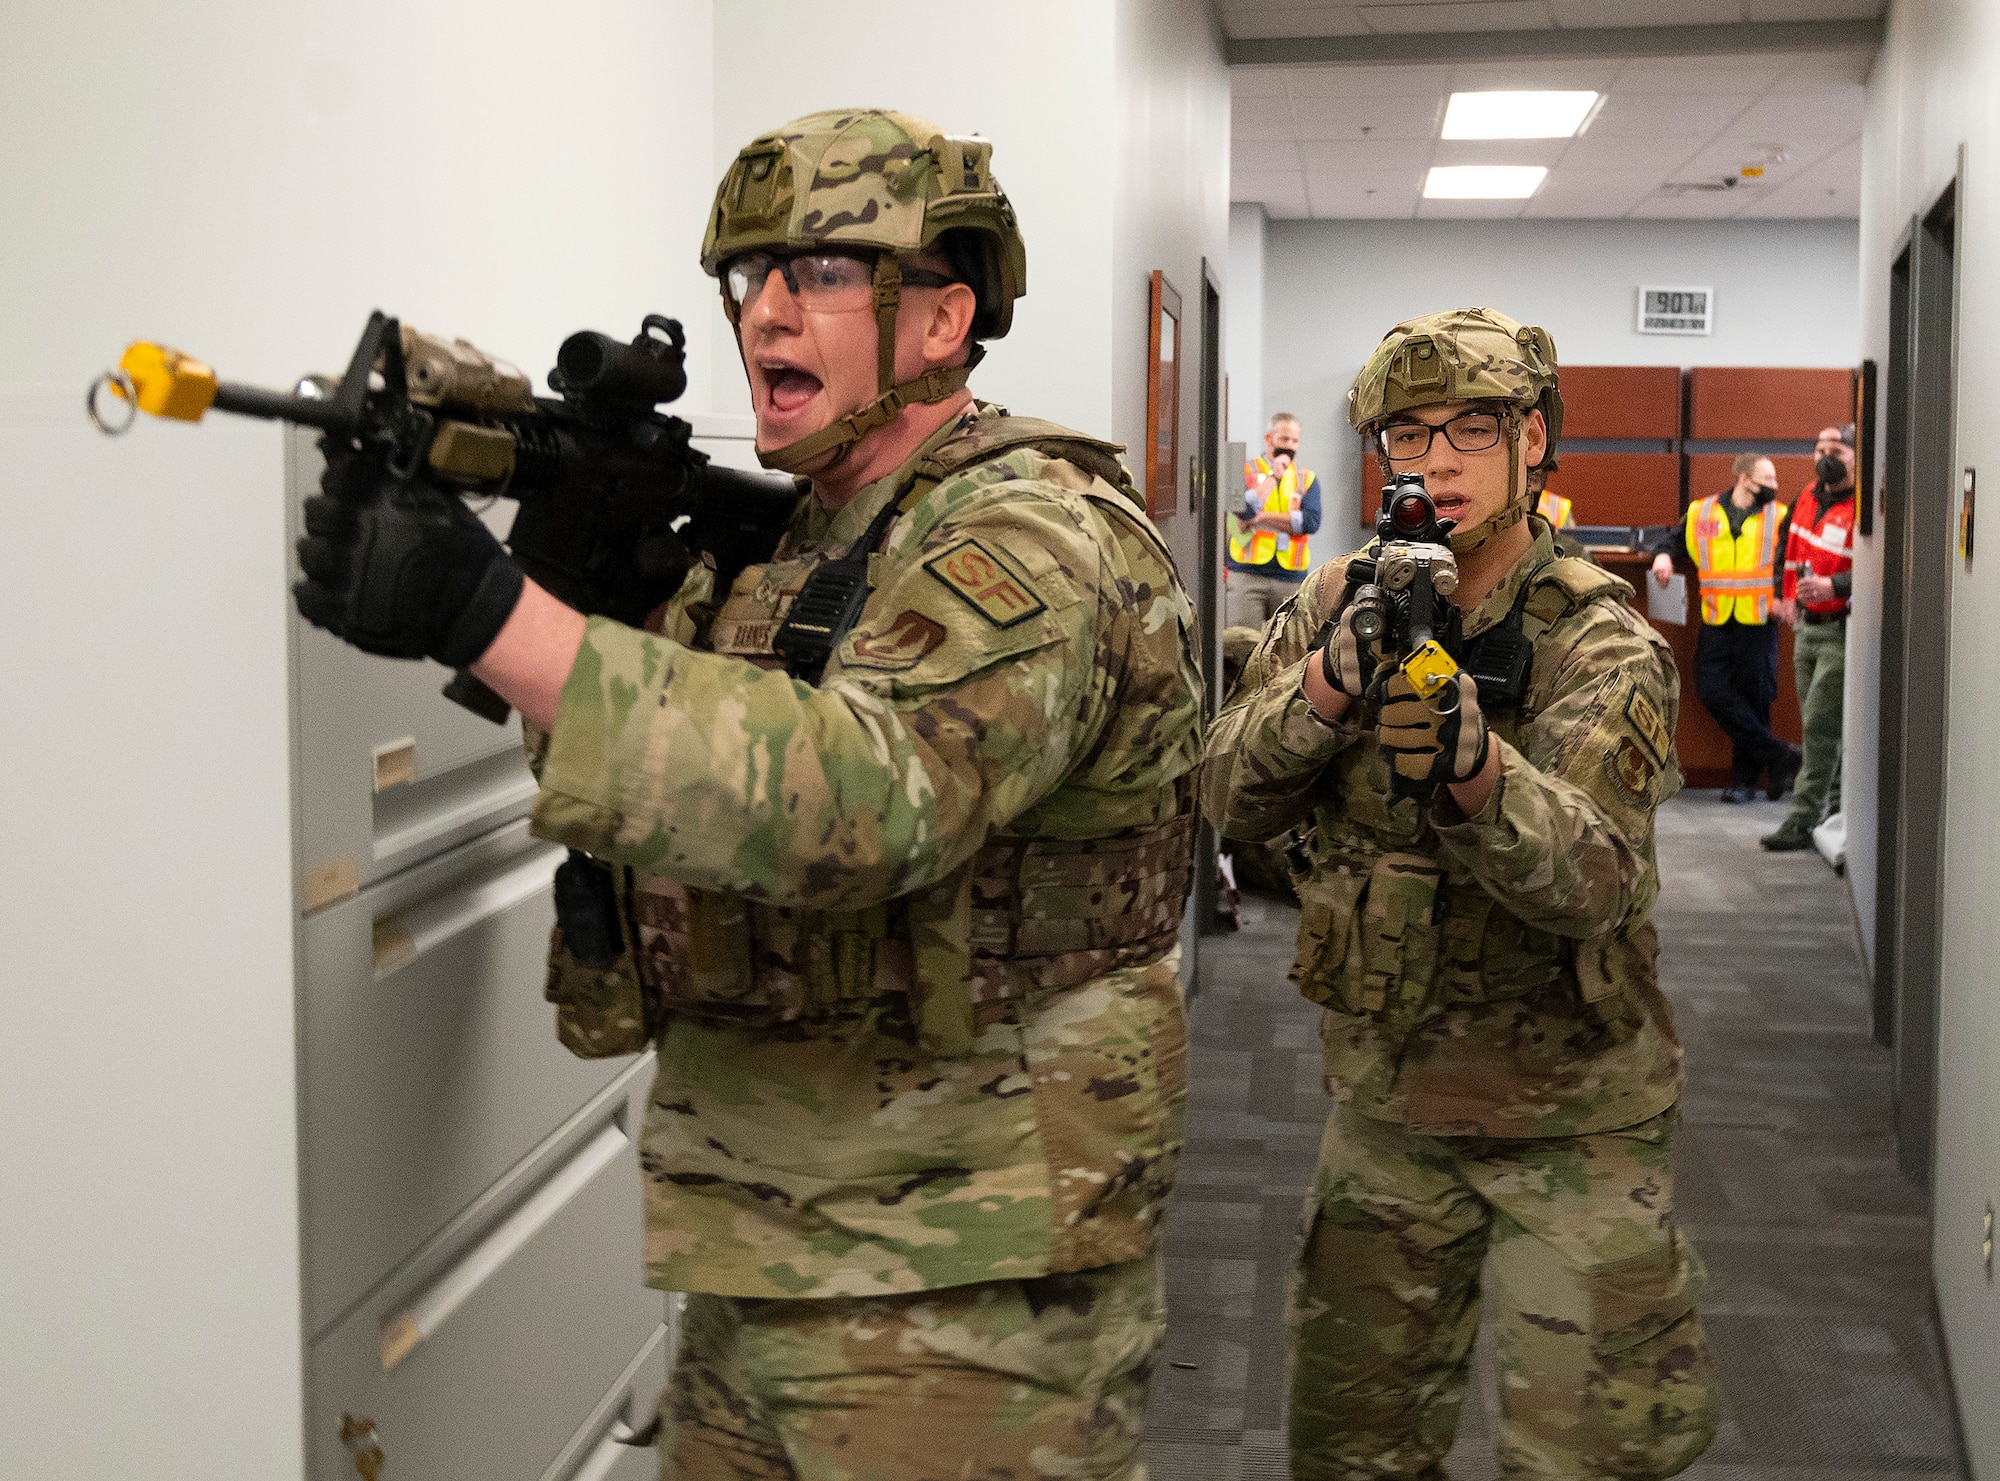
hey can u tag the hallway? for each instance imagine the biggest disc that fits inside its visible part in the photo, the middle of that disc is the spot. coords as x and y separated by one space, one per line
1819 1304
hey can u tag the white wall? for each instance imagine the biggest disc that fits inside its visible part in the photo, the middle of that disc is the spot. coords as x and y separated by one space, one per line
244 180
1243 357
1784 295
1931 91
1172 213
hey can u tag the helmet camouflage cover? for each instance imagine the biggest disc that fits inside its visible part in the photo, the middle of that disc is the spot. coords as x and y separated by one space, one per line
871 178
888 182
1460 355
1465 355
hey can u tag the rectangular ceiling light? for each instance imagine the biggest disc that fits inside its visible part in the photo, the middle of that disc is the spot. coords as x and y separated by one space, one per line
1516 115
1483 182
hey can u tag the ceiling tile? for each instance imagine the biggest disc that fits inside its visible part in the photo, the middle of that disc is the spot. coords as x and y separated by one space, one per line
1260 82
1630 116
1261 21
1369 154
1254 157
1832 115
1458 15
1831 187
1815 10
1827 69
1592 14
1282 192
1261 118
1385 83
1553 75
1726 74
1500 151
1713 207
1362 195
1587 198
1368 119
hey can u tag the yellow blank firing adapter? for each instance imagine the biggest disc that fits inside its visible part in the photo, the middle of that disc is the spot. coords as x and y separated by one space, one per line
1429 668
159 381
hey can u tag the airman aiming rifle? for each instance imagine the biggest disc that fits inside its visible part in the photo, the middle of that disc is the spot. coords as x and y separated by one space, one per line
615 503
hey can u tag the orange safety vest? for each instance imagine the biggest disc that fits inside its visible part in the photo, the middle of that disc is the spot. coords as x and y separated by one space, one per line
1248 547
1555 509
1735 570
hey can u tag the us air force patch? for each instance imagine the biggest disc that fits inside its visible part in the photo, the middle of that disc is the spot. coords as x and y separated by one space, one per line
1651 728
1630 770
979 579
899 645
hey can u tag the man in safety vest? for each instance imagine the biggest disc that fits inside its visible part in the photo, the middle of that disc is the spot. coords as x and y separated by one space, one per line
1814 584
1554 508
1731 539
1270 535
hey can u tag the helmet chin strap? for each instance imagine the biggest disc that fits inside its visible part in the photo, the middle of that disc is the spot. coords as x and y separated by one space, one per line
841 435
1476 537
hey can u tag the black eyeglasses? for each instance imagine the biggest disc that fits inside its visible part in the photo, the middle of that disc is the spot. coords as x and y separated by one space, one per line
1469 432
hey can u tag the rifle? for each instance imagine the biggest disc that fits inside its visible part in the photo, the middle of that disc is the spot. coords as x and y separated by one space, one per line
1404 591
615 504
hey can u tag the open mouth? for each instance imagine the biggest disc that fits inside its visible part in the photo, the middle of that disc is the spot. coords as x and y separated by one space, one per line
788 387
1449 506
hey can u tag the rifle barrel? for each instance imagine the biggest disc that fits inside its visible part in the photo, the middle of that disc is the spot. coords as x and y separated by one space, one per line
307 411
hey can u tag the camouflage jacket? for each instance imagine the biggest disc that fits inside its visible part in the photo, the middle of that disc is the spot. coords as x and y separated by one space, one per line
911 931
1489 975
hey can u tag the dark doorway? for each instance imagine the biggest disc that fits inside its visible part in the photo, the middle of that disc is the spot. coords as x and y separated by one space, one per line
1920 684
1889 744
1208 580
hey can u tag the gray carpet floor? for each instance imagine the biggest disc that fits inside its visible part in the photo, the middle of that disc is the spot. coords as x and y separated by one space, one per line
1819 1304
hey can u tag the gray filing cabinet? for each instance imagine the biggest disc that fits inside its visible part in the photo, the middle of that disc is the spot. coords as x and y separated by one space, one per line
470 1199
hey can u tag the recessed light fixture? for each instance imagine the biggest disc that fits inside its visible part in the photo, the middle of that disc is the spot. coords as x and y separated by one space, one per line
1483 182
1517 115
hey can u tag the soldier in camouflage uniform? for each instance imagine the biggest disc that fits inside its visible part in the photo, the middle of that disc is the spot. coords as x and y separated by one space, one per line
1503 1067
904 928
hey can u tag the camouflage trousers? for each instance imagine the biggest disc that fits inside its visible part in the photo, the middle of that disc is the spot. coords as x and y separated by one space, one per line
1819 664
1604 1370
1007 1380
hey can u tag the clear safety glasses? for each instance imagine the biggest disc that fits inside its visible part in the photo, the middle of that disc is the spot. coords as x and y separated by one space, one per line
823 282
1469 432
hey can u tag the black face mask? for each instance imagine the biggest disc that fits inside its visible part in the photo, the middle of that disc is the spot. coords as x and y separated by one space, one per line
1831 470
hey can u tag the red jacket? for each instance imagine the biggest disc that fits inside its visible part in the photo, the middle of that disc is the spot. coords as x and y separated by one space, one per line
1822 541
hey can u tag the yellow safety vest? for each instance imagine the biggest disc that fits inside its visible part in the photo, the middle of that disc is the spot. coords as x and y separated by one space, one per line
1555 509
1248 547
1735 569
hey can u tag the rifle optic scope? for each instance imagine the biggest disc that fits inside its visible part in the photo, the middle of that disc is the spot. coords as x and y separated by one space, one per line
645 372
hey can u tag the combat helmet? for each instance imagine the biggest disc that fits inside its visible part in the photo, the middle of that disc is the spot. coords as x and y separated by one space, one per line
890 182
1465 355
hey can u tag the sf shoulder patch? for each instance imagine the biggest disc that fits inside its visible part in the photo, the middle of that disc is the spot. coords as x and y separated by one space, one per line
906 640
986 585
1652 730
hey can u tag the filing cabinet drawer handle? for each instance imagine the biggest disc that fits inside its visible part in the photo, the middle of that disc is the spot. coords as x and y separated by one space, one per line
403 1331
401 936
606 1453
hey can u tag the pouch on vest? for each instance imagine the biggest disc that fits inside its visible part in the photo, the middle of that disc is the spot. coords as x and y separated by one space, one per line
1369 941
1329 936
1609 969
602 1010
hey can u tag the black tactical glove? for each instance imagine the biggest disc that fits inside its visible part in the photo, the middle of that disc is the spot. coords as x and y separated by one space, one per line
1348 661
400 567
1440 739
